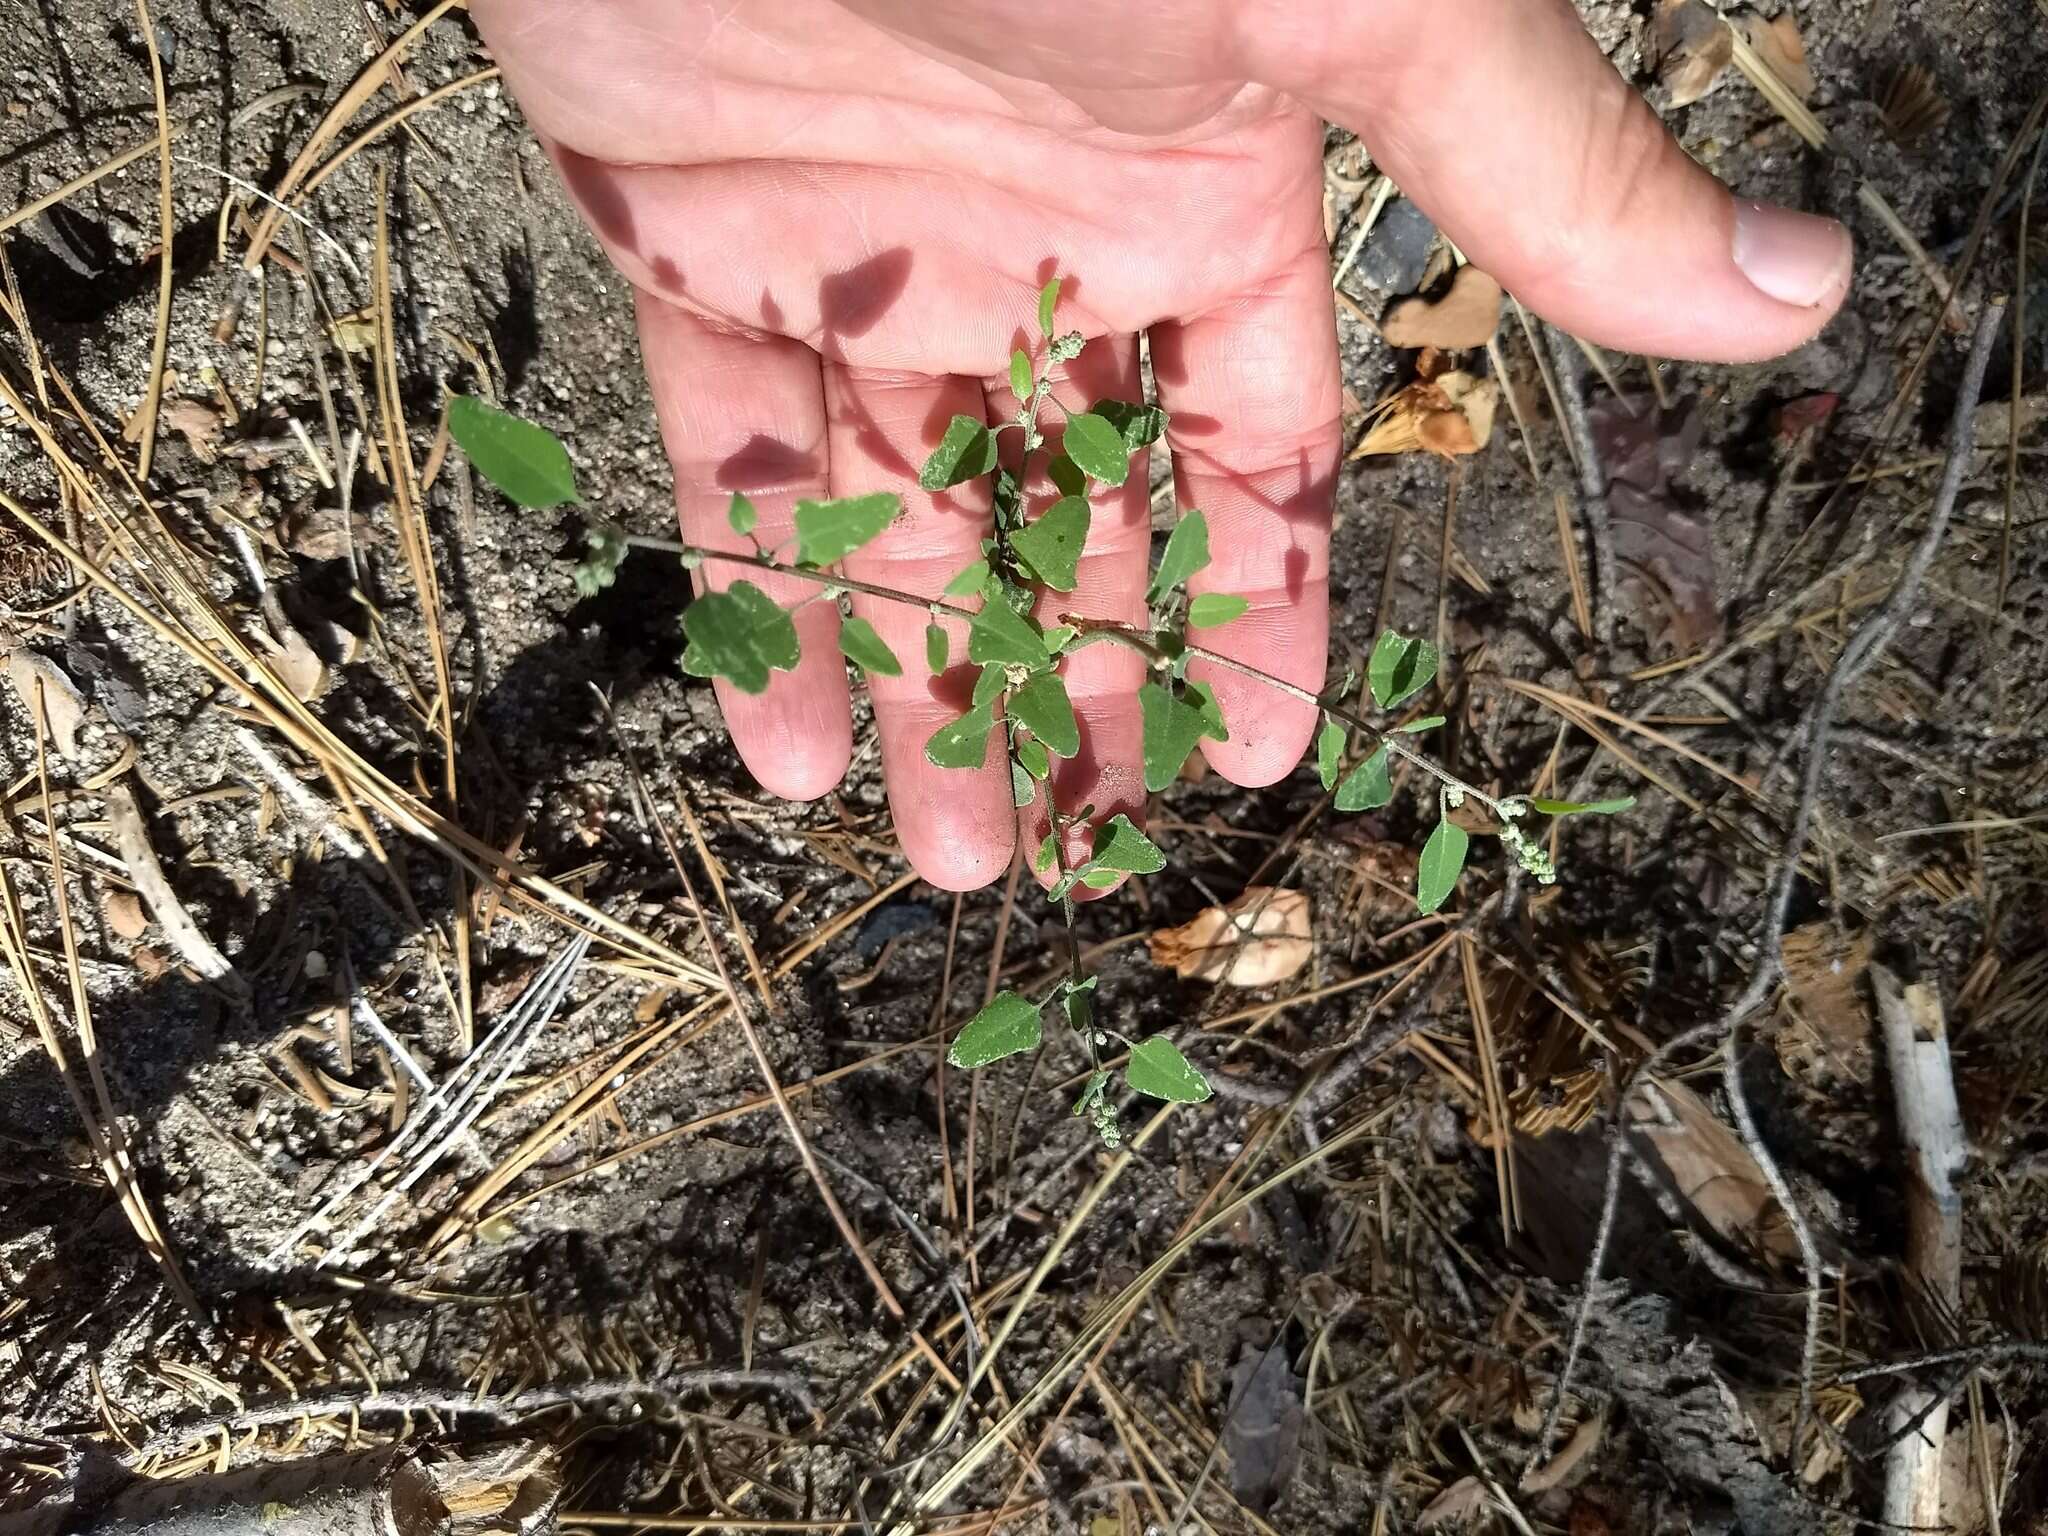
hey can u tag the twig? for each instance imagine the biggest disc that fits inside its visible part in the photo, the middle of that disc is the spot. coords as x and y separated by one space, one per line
131 834
152 396
1931 1133
1568 364
1855 658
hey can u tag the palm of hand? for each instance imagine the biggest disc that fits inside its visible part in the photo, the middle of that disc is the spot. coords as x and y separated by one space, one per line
824 282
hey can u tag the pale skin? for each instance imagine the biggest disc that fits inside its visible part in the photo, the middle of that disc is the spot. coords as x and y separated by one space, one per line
836 218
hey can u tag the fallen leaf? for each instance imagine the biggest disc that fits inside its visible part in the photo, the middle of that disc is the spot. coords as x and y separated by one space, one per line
1466 316
1693 48
1823 972
1260 938
1779 45
149 962
1709 1168
63 704
1262 1428
124 914
1583 1442
1459 1502
298 665
1665 552
198 423
1795 418
1450 415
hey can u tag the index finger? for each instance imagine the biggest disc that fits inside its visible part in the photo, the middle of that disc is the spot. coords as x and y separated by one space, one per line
1254 418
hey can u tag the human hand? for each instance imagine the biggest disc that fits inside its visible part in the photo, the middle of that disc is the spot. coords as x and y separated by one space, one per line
837 218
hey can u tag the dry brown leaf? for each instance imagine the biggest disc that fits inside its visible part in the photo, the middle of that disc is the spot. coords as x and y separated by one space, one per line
125 915
1553 1473
1779 44
1693 49
292 657
1459 1502
151 963
63 704
1466 316
198 423
1451 415
1260 938
1710 1169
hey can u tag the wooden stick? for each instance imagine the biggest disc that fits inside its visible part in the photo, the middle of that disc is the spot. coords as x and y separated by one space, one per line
1931 1135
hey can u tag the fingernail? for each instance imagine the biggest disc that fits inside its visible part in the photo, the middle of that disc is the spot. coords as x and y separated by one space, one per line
1796 258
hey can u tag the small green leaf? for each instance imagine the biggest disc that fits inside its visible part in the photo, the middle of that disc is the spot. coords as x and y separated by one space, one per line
1009 1024
831 530
1187 551
1171 728
1020 376
1041 706
1076 1003
600 567
1436 871
1021 788
1121 847
1041 861
1214 608
1415 727
962 743
1058 637
740 634
1368 786
741 515
969 580
936 650
527 462
1098 877
1140 425
1051 547
1158 1070
1036 760
966 452
1066 476
989 686
1048 300
866 649
1329 752
1098 448
1584 807
998 633
1098 1081
1399 669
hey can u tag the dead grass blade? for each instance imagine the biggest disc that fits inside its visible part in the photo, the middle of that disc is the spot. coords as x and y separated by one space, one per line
85 179
167 219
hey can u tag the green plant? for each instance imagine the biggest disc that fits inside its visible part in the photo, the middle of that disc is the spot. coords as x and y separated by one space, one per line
1020 697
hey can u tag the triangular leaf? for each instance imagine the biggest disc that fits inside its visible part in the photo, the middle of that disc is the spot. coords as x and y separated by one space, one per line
1140 425
1041 861
1329 752
1021 788
1368 786
970 580
1036 760
1120 846
740 634
831 530
936 651
527 462
1158 1070
1048 300
1400 668
866 649
1020 375
1041 706
962 743
1171 728
1214 608
741 515
1098 448
1584 807
1436 871
1187 551
1066 476
1051 547
989 685
1000 634
966 452
1009 1024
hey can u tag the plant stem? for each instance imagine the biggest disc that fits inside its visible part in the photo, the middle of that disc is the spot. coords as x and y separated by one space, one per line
806 573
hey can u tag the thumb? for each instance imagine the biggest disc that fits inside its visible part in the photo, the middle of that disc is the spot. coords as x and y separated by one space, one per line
1503 120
